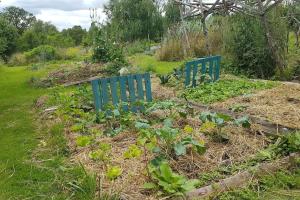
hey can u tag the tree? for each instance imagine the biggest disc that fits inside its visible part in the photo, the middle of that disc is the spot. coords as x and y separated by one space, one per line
19 18
36 35
130 20
8 36
172 14
255 8
76 33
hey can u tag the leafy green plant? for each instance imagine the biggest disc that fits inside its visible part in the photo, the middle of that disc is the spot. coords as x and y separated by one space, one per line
219 121
180 147
113 172
102 153
224 89
168 181
83 141
244 121
132 152
164 79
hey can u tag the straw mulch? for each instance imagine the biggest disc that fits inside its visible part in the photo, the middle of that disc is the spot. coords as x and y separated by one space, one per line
243 143
280 105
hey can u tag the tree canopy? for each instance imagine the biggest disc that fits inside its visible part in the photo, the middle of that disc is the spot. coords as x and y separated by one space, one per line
19 18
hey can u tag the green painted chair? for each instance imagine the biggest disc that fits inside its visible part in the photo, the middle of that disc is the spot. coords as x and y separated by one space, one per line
203 66
122 90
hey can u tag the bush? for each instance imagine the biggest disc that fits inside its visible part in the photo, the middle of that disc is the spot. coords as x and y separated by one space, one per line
17 59
72 53
110 52
41 54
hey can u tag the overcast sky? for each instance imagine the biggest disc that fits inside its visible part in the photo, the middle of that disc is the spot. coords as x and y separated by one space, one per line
61 13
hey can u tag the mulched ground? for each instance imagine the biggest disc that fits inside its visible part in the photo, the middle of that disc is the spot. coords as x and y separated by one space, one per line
280 105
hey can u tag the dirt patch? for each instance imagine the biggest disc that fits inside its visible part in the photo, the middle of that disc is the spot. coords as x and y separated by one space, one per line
75 72
280 105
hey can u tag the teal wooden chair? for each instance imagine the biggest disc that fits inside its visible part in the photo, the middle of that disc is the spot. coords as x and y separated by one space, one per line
122 90
203 66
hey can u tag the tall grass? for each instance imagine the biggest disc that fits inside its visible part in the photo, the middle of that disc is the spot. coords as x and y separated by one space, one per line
187 40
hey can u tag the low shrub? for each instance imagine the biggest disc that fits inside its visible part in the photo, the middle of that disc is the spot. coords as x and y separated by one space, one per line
71 53
17 59
41 54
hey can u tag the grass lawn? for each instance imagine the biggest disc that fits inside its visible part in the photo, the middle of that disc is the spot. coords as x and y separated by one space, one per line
146 62
17 132
20 177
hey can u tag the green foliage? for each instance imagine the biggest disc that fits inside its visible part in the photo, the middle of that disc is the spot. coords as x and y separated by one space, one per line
113 172
214 122
282 185
129 20
83 141
133 151
224 89
36 35
76 33
105 50
168 181
8 38
102 154
137 46
180 148
172 14
18 17
144 61
41 54
246 45
244 121
164 79
17 59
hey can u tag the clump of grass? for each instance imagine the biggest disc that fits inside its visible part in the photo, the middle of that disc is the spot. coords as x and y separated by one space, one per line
281 185
224 89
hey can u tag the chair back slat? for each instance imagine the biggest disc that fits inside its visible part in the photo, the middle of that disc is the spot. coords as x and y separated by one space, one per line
132 95
148 87
123 89
114 91
210 65
211 69
128 89
104 90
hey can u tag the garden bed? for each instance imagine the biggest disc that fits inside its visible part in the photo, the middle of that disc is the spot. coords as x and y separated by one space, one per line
127 150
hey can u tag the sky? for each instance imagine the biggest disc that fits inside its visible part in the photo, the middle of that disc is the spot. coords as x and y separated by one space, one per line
61 13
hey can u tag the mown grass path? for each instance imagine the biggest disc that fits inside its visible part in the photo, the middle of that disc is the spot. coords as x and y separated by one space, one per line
18 178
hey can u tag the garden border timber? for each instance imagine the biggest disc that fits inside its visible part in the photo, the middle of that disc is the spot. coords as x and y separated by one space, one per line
191 70
115 90
241 179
